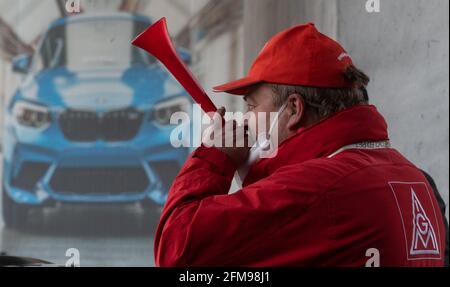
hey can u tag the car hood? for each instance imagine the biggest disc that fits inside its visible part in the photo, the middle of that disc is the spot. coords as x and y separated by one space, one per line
100 89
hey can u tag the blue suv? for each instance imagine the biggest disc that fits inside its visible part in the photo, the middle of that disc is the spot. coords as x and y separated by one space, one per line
90 121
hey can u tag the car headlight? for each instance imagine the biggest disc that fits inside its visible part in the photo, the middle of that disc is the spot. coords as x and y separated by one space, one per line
30 114
162 111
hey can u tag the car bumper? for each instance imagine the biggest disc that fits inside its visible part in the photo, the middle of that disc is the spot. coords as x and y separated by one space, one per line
93 173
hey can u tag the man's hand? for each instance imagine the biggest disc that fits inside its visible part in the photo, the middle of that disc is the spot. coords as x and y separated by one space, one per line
234 138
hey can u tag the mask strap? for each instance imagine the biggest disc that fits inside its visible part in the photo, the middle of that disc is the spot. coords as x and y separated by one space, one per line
265 143
275 121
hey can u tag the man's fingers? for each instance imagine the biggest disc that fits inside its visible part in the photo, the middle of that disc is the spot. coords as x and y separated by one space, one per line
221 111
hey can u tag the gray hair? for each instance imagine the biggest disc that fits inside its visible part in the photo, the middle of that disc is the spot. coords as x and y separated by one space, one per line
324 102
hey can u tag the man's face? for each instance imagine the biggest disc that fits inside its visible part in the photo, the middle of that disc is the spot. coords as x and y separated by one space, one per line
260 102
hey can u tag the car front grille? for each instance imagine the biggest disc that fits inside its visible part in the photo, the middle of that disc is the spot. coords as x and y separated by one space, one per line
84 126
99 180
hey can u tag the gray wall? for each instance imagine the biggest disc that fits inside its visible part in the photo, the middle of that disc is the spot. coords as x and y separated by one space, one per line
405 51
264 18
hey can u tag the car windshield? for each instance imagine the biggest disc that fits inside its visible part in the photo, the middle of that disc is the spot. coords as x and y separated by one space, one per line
92 43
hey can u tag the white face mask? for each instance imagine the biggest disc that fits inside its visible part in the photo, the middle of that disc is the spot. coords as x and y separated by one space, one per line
258 148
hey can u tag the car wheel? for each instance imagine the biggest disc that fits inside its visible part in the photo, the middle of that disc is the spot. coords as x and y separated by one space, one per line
14 215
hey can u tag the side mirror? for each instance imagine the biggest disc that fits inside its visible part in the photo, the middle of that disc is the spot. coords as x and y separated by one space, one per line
184 55
21 63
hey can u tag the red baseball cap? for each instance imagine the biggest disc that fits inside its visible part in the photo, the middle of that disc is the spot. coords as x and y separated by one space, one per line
300 55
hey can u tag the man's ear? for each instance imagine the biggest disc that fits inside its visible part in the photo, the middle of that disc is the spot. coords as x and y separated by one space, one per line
296 111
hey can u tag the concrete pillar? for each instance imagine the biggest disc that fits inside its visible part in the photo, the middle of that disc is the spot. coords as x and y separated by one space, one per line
264 18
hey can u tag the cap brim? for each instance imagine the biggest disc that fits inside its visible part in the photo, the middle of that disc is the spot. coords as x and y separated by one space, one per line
238 87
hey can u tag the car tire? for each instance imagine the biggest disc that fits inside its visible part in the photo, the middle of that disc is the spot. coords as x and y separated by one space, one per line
14 215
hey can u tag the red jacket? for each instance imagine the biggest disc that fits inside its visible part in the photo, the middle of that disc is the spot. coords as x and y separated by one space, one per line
304 208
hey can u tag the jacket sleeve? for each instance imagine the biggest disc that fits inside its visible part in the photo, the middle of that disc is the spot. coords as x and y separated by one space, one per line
203 225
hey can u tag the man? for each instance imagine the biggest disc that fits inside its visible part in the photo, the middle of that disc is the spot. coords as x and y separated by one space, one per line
335 194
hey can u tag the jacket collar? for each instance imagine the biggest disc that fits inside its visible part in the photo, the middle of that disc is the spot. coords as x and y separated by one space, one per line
350 126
